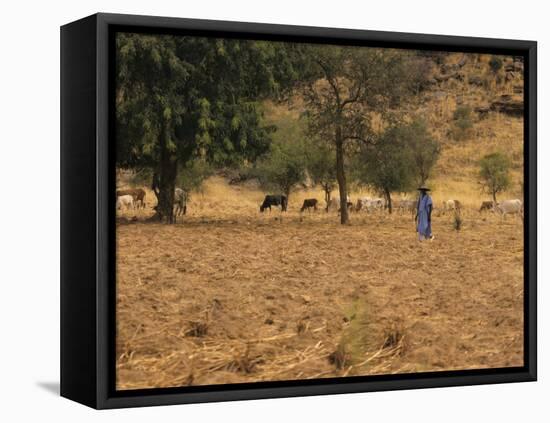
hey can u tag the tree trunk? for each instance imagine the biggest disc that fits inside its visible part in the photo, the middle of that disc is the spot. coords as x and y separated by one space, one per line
388 200
168 173
327 196
287 194
494 197
341 177
166 183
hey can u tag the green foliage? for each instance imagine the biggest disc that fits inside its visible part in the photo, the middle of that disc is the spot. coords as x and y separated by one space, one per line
321 166
387 166
284 167
495 63
494 171
141 177
462 122
191 176
425 150
193 96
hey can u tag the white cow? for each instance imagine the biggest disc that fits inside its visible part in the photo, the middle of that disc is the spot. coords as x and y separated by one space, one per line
405 206
125 201
509 207
369 204
451 205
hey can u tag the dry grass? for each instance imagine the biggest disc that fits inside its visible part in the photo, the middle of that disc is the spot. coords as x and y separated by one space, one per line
232 295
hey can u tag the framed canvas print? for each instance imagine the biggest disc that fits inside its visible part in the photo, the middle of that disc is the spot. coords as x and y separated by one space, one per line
257 211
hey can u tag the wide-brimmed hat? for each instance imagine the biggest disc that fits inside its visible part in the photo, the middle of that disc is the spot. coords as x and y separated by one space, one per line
423 188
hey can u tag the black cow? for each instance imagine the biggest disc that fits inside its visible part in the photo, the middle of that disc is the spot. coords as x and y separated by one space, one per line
309 203
274 200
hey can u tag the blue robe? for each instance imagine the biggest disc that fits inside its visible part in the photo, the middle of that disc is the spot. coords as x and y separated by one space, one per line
423 225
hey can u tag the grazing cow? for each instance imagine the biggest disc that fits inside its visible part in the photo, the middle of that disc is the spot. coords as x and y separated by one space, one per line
180 201
509 207
362 203
451 205
370 204
487 205
125 201
309 203
274 200
349 205
406 206
137 194
334 204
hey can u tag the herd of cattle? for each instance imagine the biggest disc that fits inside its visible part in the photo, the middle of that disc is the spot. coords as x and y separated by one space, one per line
134 198
369 204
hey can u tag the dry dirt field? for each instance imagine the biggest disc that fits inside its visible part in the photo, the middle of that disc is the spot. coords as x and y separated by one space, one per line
230 295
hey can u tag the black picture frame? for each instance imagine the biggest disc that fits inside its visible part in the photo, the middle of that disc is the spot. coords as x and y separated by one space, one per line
87 212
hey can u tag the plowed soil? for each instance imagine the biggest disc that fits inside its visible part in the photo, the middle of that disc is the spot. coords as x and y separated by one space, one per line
229 295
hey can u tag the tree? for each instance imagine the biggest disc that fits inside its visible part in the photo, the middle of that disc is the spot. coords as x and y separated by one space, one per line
343 88
321 167
388 166
182 98
284 168
424 149
494 171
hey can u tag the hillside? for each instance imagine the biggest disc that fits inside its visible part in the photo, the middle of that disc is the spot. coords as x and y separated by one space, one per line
457 81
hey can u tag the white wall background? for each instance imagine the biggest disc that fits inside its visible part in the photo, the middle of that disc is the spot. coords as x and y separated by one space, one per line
29 208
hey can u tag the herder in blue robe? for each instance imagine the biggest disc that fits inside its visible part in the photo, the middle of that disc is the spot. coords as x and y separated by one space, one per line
424 215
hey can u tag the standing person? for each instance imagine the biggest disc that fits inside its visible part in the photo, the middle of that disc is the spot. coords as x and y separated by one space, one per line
424 215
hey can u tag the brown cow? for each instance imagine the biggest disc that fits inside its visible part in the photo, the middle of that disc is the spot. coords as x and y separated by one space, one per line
137 194
487 205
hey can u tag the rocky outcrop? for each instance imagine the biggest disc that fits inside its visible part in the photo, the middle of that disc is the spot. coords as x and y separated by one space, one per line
508 104
475 80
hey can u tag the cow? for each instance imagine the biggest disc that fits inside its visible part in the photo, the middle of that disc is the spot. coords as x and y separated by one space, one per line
334 204
509 207
487 205
349 205
137 194
125 201
406 206
180 201
451 205
274 200
309 203
370 204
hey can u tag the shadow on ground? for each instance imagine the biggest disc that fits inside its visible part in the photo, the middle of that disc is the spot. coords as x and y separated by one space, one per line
51 387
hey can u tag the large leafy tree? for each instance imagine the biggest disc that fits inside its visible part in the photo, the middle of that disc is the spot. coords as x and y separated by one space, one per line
346 91
184 97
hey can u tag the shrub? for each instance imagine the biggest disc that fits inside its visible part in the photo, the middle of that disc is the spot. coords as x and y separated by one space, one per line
462 122
495 64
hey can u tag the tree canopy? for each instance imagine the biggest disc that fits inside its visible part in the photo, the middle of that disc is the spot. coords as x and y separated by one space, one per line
284 167
389 165
494 171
